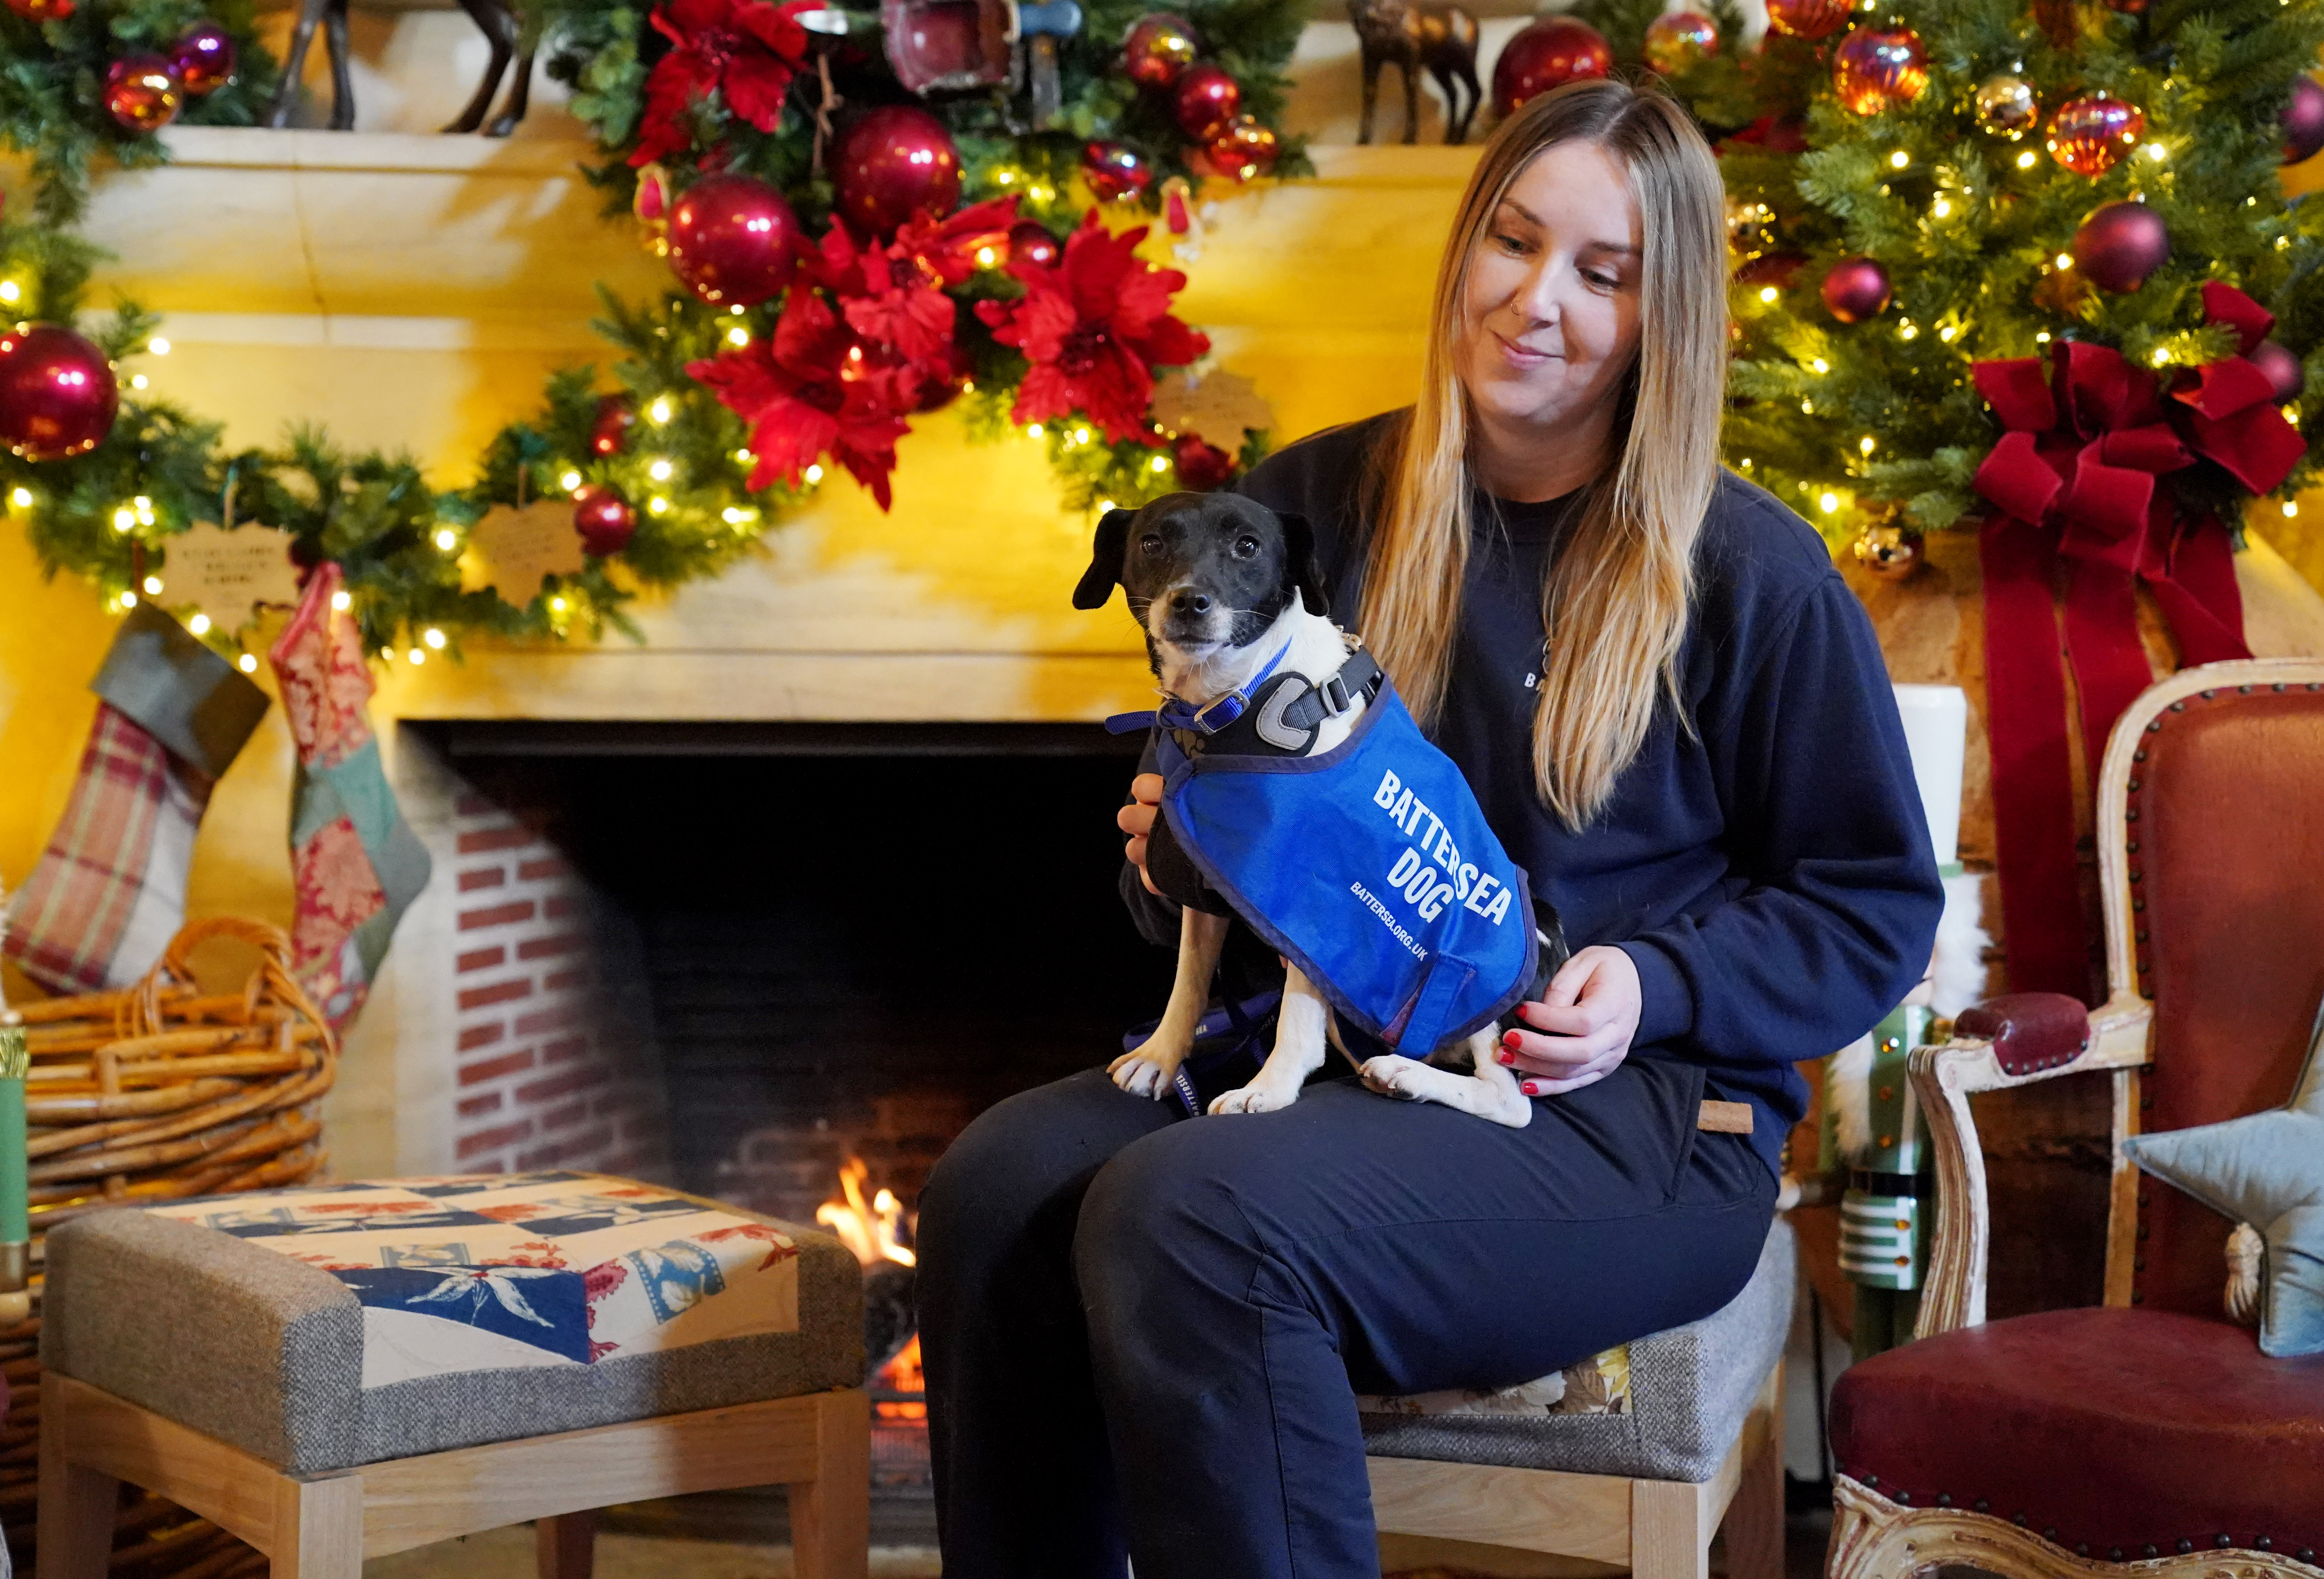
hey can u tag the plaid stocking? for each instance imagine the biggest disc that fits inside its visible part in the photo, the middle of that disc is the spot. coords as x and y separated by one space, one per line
110 891
356 863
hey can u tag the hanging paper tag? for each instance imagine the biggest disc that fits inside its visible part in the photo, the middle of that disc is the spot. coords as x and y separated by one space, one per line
512 550
228 574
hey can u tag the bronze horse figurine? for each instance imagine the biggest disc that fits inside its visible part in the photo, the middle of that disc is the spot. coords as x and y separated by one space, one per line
1417 34
496 18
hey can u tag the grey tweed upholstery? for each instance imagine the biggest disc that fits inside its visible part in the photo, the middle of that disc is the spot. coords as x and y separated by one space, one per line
266 1352
1689 1390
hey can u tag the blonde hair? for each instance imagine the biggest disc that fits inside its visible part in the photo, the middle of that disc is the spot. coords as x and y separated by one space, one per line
1615 604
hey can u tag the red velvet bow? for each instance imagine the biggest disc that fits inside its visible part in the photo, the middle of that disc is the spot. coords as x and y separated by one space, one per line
2073 478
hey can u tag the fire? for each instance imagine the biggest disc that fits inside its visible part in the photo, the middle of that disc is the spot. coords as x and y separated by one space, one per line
903 1374
871 1231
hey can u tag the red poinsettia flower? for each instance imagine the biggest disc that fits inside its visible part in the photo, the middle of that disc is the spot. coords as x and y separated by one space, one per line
1094 326
895 295
746 49
810 391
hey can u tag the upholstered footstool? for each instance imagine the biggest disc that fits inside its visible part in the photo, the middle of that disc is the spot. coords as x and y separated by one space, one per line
341 1372
1635 1457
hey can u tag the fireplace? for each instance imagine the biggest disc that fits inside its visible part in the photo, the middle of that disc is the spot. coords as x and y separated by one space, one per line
779 964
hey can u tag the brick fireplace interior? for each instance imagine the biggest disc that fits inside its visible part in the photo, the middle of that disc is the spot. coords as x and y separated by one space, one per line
735 958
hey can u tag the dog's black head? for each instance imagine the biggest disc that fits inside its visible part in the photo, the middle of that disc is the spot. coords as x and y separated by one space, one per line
1204 570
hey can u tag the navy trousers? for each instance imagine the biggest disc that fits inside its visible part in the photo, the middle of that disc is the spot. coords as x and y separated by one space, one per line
1144 1335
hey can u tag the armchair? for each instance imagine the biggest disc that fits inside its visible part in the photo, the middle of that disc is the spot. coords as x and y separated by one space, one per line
2149 1430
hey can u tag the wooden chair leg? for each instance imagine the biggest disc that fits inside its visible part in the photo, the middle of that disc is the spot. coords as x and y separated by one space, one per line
1668 1540
1754 1525
565 1547
317 1530
77 1506
831 1515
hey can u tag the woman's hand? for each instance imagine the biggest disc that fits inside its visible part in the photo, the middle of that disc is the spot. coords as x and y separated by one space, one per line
1582 1025
1137 819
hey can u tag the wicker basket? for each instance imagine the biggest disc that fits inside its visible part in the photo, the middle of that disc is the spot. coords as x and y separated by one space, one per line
156 1092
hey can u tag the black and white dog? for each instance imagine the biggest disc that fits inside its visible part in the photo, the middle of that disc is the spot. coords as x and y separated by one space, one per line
1218 584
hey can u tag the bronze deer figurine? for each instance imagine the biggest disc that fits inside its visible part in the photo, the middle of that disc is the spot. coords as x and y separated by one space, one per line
497 19
1417 34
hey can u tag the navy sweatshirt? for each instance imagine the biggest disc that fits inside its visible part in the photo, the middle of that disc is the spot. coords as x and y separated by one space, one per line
1770 872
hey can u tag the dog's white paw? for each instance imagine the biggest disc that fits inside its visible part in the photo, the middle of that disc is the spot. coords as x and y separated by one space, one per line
1140 1075
1259 1097
1393 1074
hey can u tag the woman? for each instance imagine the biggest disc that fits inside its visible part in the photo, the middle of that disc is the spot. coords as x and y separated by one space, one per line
1147 1336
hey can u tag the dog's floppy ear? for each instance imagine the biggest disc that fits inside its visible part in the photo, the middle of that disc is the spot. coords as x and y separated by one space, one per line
1105 570
1299 563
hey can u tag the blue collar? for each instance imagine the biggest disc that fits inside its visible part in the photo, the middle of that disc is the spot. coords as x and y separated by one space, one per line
1175 714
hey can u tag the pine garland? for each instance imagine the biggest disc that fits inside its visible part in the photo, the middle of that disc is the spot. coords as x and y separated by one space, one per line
109 516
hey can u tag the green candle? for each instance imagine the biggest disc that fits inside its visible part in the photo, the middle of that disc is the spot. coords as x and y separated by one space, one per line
15 1227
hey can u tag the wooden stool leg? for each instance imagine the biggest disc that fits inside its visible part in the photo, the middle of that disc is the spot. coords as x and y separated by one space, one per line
1668 1540
566 1546
77 1506
317 1530
1754 1525
831 1515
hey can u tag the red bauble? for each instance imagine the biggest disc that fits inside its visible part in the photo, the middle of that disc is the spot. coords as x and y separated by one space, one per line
1201 466
1548 53
42 10
1808 19
2303 120
58 398
2090 135
1206 101
1677 39
610 434
1029 242
605 520
1244 151
1856 289
734 240
204 59
894 163
1876 67
144 92
2280 368
1158 49
2120 244
1114 172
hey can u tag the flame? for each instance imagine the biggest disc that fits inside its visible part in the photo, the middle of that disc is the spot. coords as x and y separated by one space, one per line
871 1231
903 1374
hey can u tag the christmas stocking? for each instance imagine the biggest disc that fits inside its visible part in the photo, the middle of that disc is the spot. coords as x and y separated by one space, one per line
356 864
110 891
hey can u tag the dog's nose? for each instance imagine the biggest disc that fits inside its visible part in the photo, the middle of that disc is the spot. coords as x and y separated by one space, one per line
1190 602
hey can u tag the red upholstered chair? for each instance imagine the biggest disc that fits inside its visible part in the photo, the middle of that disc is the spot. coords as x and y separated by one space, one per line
2149 1430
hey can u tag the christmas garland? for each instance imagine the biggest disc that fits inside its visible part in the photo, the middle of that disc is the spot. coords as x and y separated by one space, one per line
854 256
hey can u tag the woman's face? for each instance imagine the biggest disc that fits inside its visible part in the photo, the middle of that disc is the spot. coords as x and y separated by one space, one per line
1550 313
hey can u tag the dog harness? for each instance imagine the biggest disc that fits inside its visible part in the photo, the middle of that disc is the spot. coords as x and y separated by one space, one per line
1370 866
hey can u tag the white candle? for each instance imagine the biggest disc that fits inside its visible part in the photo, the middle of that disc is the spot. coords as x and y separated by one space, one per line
1936 729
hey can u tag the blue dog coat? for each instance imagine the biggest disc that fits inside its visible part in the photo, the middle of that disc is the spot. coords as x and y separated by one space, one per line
1370 867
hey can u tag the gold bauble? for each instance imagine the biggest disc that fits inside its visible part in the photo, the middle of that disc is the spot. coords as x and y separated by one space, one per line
1888 550
2006 105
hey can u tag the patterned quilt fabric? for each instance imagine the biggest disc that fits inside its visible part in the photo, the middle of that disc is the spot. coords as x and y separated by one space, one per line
483 1272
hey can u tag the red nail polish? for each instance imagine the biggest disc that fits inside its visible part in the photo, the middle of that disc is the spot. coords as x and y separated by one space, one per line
1508 1057
1530 1089
1509 1039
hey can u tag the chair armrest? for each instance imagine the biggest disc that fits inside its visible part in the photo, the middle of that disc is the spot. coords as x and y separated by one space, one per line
2006 1041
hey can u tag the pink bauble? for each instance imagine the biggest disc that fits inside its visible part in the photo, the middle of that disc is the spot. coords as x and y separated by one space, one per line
605 520
734 240
2091 135
1206 101
203 58
891 165
1856 289
1115 171
1029 242
2303 120
1548 53
58 398
2280 367
1875 68
143 93
1157 49
2120 244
